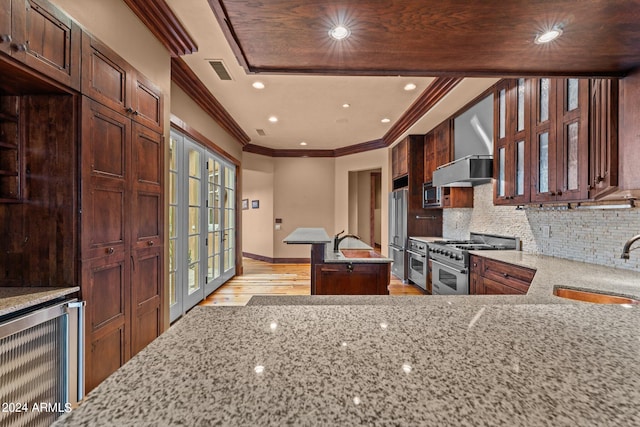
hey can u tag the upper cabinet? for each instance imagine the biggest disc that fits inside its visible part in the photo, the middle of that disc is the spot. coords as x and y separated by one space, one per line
40 36
511 130
555 140
560 140
400 159
110 80
603 137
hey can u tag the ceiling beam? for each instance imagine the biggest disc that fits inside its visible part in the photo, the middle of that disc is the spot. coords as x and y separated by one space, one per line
165 25
187 80
437 90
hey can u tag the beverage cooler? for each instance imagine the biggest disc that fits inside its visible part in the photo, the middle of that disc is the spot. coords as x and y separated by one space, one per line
41 363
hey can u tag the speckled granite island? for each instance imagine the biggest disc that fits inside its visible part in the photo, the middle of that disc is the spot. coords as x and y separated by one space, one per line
511 365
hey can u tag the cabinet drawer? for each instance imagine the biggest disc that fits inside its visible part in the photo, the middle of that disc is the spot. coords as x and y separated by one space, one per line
492 287
508 274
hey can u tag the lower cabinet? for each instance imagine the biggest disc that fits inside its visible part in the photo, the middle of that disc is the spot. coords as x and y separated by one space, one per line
491 277
352 279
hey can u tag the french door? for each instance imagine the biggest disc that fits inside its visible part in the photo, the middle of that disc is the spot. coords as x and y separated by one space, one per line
202 195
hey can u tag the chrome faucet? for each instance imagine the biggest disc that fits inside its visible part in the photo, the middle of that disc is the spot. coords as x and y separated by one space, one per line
337 239
627 246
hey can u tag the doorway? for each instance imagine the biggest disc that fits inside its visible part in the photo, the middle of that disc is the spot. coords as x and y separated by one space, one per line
365 206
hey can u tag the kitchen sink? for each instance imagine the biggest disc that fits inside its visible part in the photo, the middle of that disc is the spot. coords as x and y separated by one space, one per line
360 253
593 297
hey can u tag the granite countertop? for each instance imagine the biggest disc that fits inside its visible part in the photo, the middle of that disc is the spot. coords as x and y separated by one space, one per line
14 299
524 365
307 236
550 273
350 243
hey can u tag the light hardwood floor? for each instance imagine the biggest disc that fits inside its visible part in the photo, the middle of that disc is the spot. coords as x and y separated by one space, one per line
263 278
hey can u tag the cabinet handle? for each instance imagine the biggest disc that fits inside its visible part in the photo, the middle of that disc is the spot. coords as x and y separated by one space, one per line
559 193
553 193
505 275
128 110
19 47
5 38
136 112
150 243
350 268
110 251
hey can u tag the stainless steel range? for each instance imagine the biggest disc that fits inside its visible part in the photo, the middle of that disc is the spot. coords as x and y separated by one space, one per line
450 260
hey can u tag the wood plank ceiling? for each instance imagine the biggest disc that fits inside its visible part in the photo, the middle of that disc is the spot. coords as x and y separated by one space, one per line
434 37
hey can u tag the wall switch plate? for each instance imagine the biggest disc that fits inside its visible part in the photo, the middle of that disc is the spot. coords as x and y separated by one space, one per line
546 231
278 226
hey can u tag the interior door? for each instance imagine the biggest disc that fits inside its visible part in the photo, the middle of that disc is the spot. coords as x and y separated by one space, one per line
193 289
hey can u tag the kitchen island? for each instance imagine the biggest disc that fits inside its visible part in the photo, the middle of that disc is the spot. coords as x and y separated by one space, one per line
346 266
524 365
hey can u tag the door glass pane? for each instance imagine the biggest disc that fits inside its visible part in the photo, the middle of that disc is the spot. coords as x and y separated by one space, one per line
520 168
543 168
501 183
194 220
172 272
572 156
173 154
172 222
194 163
194 191
194 278
572 94
520 105
544 100
503 113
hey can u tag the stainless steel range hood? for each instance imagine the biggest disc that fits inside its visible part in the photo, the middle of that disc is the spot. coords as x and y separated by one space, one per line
465 172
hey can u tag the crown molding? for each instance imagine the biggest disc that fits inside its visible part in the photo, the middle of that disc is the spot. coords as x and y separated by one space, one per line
437 90
184 77
165 25
338 152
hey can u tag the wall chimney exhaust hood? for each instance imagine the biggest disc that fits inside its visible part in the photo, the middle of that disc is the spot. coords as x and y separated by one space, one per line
473 148
465 172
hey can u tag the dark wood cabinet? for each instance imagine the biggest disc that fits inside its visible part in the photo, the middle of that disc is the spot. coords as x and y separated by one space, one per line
603 137
122 229
437 152
110 80
511 149
491 277
11 153
559 148
352 279
39 35
399 159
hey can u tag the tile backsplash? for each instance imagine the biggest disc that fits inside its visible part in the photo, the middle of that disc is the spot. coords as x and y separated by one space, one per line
594 236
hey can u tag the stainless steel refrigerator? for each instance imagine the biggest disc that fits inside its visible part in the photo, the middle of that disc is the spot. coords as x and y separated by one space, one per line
398 238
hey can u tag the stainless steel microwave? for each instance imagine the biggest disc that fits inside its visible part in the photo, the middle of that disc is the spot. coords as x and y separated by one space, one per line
430 196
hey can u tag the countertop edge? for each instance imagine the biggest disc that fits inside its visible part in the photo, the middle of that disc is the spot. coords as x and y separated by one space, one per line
13 299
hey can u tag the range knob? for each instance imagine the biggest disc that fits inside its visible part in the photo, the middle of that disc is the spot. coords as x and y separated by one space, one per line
458 257
446 253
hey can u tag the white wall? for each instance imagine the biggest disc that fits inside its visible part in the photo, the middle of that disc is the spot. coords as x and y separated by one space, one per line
593 236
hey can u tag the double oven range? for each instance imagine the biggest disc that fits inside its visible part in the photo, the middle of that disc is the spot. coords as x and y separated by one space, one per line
450 260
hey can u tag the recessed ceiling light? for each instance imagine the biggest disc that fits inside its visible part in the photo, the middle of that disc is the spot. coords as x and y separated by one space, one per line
345 105
409 86
385 120
339 32
303 143
258 85
273 119
548 36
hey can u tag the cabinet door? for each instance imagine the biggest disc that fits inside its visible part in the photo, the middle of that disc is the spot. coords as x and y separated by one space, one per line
146 297
511 159
429 156
543 140
105 287
352 279
105 75
146 103
52 43
442 135
603 137
105 144
146 219
572 136
6 35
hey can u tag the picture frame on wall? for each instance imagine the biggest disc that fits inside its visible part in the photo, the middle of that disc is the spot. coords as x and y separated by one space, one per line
255 204
245 204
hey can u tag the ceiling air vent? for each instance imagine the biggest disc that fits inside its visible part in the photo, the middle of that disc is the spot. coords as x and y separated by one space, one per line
220 69
261 132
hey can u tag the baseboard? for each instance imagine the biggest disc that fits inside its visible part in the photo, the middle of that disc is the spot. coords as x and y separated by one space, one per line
276 260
